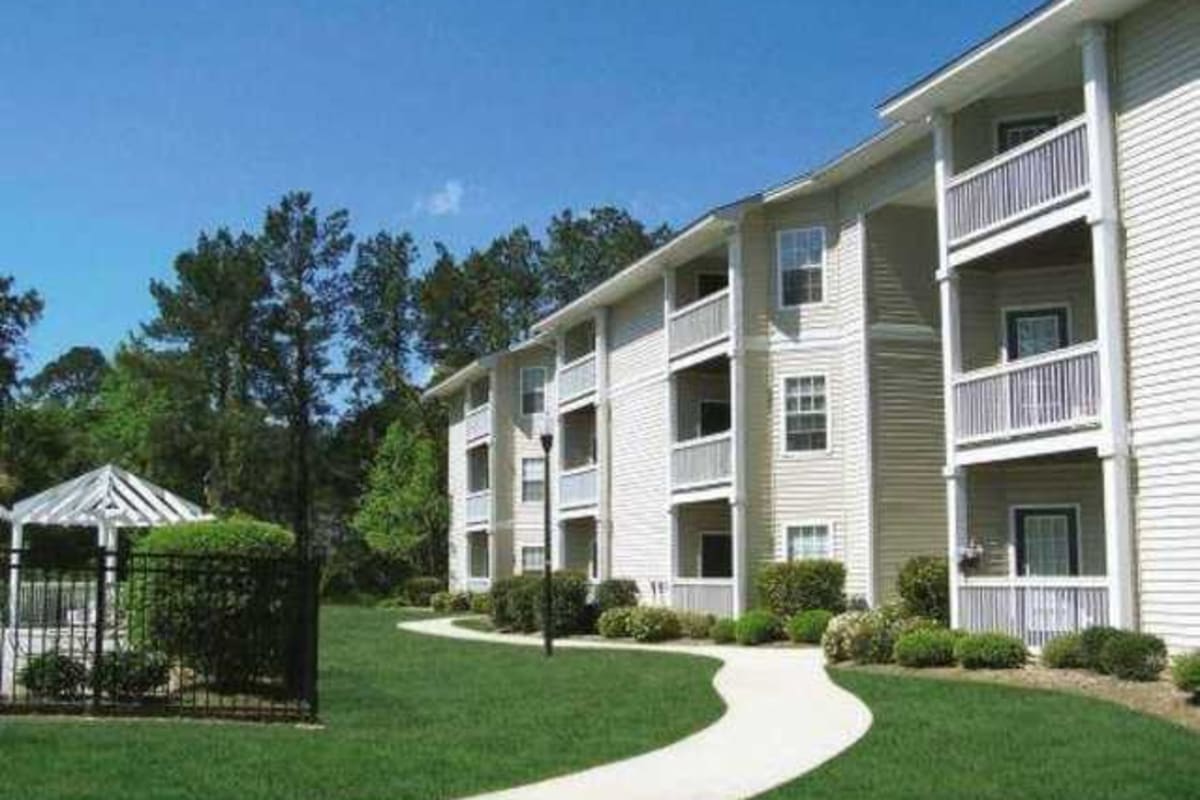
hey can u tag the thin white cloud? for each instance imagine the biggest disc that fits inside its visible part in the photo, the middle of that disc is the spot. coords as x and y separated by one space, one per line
445 201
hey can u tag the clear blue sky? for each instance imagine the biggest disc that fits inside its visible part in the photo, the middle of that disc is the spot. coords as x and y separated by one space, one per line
129 127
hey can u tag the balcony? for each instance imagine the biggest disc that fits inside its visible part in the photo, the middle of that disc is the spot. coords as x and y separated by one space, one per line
703 596
1050 392
579 487
1046 172
478 507
704 322
1034 609
577 379
700 461
479 423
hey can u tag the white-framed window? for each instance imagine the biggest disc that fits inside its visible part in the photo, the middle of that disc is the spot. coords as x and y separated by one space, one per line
533 558
477 554
810 540
533 390
800 262
806 414
533 480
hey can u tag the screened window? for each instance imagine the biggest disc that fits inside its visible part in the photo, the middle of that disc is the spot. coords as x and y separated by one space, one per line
532 559
808 541
477 554
533 479
801 261
1047 541
716 555
1016 132
533 390
806 416
715 417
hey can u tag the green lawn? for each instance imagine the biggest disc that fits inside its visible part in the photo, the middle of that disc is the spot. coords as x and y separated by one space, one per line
934 738
407 716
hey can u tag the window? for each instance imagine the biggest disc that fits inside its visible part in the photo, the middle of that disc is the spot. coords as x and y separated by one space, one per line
1034 331
1015 132
1047 540
808 541
533 483
477 554
532 559
533 390
477 470
714 417
806 418
710 283
478 393
716 555
800 259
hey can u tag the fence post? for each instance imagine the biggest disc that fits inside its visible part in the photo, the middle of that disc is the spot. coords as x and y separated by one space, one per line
98 623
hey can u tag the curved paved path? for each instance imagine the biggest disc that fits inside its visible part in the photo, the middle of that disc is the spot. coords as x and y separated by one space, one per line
783 718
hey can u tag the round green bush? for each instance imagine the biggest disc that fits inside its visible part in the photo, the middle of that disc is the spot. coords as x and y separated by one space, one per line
838 634
808 627
695 625
440 601
786 588
990 651
758 627
1064 652
924 586
925 647
1133 656
614 623
514 603
1091 642
867 637
616 593
481 603
131 674
420 590
1185 673
53 676
568 603
724 631
654 624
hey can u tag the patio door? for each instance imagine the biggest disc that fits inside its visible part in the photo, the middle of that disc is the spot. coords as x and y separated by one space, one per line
1035 396
1047 545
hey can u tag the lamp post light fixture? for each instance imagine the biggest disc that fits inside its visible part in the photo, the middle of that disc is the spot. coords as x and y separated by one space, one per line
546 434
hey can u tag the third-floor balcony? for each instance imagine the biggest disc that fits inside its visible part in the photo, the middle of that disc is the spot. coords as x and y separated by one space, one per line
479 423
702 453
577 379
701 323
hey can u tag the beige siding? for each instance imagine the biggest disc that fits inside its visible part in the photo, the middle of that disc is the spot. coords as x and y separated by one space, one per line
639 484
1158 105
902 259
456 480
524 520
505 403
637 346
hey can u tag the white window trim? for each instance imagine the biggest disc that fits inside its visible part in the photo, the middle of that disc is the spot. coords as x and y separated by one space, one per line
1029 116
1012 532
541 478
808 523
537 570
700 553
782 424
545 393
1019 309
824 268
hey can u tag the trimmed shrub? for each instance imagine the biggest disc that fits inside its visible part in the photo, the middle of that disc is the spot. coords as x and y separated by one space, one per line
654 624
615 593
808 627
990 651
568 604
614 623
836 639
694 625
924 586
758 627
131 674
1185 673
53 676
419 591
1133 656
789 587
1064 652
724 631
514 602
925 647
481 604
1091 642
440 601
450 601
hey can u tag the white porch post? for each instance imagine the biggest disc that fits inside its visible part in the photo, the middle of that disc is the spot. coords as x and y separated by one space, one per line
737 401
672 550
493 461
956 502
1106 265
669 411
14 570
603 449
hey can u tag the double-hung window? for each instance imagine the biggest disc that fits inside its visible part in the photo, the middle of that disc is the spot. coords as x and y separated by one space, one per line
800 258
808 541
533 390
806 414
533 483
533 559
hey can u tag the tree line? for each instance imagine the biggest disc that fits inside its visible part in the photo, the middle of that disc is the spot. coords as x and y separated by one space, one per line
278 375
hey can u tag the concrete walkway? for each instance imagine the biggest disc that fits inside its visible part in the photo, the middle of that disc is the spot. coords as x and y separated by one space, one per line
784 717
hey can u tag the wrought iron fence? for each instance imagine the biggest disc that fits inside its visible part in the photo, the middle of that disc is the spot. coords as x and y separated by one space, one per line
153 634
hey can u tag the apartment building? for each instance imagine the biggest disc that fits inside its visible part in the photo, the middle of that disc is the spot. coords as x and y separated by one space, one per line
973 334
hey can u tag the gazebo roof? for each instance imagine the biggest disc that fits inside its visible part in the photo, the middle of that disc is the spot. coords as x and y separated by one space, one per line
106 495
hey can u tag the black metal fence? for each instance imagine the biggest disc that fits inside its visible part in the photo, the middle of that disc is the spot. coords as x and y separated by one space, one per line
158 634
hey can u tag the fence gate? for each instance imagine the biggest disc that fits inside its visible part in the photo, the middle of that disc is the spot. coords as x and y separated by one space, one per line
159 634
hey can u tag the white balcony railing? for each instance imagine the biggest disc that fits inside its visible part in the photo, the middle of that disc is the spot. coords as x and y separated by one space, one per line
705 460
478 507
479 422
577 378
1041 173
700 323
703 595
578 487
1035 609
1055 390
479 585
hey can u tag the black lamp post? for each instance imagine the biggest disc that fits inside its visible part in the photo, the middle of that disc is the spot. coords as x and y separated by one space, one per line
547 437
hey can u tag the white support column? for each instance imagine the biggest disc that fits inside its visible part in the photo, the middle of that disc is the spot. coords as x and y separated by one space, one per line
603 450
672 551
737 400
493 529
956 523
14 570
1110 327
672 519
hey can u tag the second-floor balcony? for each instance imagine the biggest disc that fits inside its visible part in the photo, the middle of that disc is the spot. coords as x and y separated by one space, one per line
478 507
478 423
703 322
577 379
1050 392
1046 172
579 487
703 460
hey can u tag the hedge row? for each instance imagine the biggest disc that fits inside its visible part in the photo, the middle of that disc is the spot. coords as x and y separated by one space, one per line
1109 651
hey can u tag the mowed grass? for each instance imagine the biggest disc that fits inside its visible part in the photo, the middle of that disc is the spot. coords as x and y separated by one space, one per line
406 716
937 738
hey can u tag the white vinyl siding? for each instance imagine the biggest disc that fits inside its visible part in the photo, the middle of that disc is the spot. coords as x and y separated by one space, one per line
533 390
640 452
533 480
800 261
